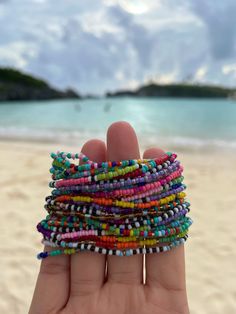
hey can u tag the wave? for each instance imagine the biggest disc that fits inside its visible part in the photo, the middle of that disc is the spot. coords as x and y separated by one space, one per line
45 135
188 143
76 137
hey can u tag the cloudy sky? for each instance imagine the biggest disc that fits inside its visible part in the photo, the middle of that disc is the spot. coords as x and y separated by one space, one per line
100 45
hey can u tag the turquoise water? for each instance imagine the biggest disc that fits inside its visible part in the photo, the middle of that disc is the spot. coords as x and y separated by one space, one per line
182 122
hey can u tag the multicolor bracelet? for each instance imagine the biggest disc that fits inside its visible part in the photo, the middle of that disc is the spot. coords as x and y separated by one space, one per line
117 207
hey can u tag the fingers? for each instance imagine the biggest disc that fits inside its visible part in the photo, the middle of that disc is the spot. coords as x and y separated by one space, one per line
52 287
122 144
88 268
165 270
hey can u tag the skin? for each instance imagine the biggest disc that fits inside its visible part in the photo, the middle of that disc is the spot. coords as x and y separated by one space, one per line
90 283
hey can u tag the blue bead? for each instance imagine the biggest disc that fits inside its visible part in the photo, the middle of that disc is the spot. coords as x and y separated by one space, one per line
52 170
41 255
127 253
67 163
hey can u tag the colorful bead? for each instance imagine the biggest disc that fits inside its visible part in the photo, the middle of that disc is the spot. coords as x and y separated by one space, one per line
118 208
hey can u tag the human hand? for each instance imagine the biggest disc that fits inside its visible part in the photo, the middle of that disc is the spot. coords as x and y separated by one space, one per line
83 284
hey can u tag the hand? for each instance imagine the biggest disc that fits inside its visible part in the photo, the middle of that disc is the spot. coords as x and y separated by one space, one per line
80 284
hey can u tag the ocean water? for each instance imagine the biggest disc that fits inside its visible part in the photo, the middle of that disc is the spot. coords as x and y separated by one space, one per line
168 122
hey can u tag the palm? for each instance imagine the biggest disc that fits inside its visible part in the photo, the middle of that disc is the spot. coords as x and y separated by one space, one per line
124 298
89 283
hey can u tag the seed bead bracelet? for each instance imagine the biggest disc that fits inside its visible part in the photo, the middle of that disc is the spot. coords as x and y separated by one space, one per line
116 183
72 239
88 209
63 161
121 225
65 232
172 228
117 252
63 168
175 179
117 207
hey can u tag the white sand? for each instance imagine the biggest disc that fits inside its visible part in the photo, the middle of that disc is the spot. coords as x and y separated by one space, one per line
210 250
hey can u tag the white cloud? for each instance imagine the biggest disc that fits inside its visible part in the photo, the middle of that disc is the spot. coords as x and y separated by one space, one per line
119 76
98 23
229 68
17 54
132 84
167 78
200 73
135 6
102 45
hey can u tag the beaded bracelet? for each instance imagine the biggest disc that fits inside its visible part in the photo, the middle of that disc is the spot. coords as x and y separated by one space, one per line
117 207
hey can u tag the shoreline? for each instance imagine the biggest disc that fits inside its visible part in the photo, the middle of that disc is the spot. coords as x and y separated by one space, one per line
209 146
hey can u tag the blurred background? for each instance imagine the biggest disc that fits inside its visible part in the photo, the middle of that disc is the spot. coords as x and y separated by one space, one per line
68 69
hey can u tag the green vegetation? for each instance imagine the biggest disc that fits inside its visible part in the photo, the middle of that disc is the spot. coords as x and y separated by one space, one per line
178 91
8 75
15 85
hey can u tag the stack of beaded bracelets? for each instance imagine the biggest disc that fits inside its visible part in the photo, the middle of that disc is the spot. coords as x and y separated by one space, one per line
118 208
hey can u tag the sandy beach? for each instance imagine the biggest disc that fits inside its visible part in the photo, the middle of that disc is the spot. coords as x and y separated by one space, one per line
210 250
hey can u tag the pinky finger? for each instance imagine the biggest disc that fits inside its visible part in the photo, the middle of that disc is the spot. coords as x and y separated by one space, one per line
52 288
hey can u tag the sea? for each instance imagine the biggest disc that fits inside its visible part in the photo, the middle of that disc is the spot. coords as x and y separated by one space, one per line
166 122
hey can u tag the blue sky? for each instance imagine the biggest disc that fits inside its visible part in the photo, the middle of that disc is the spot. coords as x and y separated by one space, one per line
103 45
